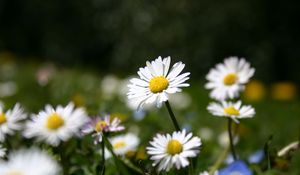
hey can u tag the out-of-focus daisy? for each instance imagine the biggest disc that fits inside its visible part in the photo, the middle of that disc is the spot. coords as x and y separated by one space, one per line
232 110
157 81
255 91
284 91
29 162
45 74
123 144
55 125
223 139
180 100
2 151
10 121
7 89
169 150
98 126
237 167
206 133
228 79
110 85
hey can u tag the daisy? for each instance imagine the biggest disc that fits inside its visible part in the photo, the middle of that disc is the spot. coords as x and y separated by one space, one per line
169 150
10 121
29 162
55 125
124 144
157 81
99 125
2 151
228 79
232 110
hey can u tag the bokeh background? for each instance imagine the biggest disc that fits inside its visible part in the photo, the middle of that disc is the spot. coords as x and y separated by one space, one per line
55 51
118 36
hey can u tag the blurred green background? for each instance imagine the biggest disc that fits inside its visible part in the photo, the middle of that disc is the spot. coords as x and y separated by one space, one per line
117 36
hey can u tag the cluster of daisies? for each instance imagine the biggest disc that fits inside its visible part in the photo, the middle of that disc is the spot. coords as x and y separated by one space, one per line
157 82
53 126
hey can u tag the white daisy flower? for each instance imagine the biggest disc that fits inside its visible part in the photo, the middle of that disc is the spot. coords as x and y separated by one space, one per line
157 81
10 121
2 151
29 162
55 125
229 109
98 126
228 79
124 143
168 150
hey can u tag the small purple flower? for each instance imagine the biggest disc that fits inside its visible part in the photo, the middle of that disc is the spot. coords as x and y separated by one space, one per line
238 167
99 125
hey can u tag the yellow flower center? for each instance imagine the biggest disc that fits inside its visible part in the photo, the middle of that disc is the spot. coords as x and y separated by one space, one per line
174 147
231 111
119 144
2 118
54 121
100 125
230 79
158 84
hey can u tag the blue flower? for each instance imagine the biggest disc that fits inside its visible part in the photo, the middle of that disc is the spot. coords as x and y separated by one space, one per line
238 167
256 157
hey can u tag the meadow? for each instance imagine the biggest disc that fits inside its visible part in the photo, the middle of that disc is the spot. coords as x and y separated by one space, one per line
34 84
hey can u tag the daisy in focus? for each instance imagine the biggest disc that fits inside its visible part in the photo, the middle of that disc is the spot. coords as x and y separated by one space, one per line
99 125
232 110
228 79
29 162
10 121
157 80
56 125
2 151
123 144
169 150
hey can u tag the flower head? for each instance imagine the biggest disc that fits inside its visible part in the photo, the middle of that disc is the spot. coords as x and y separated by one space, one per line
99 125
55 125
10 121
123 144
29 162
228 79
157 81
169 150
229 109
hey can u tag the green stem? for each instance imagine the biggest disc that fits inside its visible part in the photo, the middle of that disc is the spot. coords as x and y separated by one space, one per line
103 157
172 116
231 139
118 162
219 161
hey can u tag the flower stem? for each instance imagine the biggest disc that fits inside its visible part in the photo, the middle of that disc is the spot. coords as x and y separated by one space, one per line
118 162
231 139
219 161
172 116
103 157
